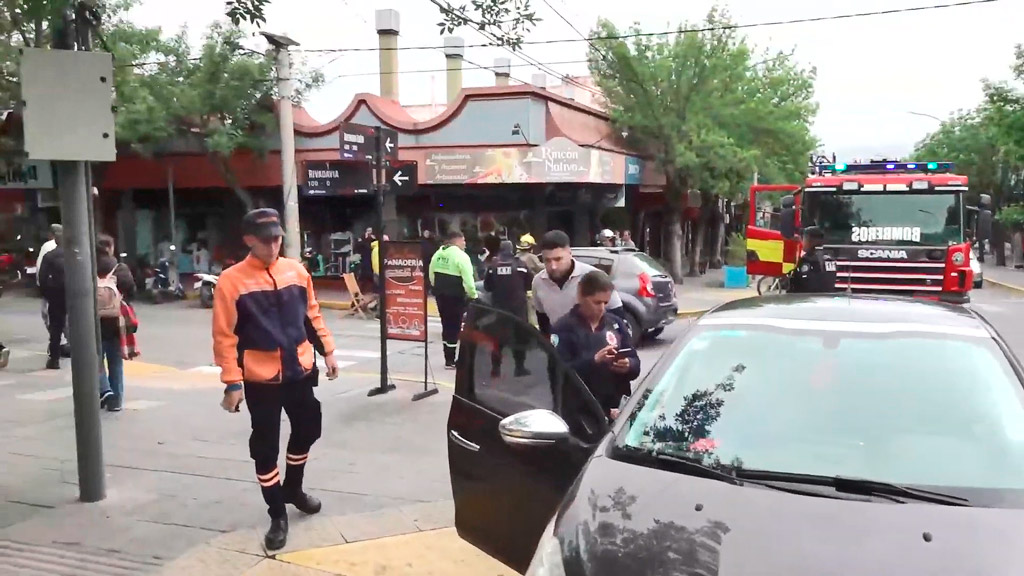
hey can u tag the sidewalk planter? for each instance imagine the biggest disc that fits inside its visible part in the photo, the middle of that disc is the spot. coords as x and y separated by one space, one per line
735 276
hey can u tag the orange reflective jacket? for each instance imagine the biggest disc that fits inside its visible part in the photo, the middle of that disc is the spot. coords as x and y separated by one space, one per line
260 320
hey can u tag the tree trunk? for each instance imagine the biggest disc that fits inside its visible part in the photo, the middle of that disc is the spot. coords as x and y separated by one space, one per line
675 244
232 182
718 244
700 228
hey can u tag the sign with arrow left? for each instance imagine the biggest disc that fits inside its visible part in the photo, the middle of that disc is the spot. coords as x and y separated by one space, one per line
357 142
403 177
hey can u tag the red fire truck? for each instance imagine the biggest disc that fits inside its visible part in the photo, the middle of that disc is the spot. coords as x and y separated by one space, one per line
893 227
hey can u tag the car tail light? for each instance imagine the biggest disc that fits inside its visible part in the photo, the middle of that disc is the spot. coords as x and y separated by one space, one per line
646 286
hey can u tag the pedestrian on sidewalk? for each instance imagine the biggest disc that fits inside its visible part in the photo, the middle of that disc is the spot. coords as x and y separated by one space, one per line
267 327
555 288
51 243
508 280
51 283
115 286
451 275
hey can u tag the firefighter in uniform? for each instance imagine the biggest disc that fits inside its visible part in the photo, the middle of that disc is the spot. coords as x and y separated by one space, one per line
816 270
507 280
267 327
451 275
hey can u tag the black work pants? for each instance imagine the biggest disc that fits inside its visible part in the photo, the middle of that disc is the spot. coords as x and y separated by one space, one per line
509 335
451 309
56 310
265 403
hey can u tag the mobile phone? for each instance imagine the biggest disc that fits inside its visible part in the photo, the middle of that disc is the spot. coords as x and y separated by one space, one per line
623 353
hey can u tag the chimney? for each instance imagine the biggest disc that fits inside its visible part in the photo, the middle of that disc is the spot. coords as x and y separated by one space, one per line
502 71
454 50
540 81
568 88
387 38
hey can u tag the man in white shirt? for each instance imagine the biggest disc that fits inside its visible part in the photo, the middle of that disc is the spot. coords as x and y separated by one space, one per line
56 230
201 258
555 287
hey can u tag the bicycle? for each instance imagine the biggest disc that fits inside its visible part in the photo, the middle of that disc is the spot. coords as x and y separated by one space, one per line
772 285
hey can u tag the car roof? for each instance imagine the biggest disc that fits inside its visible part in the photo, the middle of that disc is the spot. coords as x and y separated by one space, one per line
841 307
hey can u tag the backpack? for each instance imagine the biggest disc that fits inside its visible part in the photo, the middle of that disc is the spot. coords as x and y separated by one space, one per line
108 297
53 280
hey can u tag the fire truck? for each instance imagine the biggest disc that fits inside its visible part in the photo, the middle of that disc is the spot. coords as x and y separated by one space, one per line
893 228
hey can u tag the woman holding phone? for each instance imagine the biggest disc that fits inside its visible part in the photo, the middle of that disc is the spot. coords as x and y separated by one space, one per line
598 345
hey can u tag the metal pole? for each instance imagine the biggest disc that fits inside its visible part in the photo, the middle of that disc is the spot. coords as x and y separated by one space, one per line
80 282
378 184
289 181
170 199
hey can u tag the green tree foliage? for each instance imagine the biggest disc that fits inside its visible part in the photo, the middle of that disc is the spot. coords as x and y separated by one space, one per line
507 20
218 97
707 109
987 142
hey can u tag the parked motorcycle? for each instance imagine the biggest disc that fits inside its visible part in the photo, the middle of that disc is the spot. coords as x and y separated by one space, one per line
205 285
160 285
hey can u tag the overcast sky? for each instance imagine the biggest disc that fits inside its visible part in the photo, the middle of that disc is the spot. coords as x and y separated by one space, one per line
872 71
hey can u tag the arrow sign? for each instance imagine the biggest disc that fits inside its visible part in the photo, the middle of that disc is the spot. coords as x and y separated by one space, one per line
388 144
403 177
390 139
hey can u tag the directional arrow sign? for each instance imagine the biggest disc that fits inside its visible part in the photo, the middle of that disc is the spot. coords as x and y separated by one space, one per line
389 145
358 144
390 139
403 177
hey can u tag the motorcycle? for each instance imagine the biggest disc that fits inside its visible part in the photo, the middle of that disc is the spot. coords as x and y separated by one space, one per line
205 285
160 285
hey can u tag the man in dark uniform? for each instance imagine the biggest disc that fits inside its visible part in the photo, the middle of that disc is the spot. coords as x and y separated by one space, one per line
597 345
508 280
787 218
267 328
816 270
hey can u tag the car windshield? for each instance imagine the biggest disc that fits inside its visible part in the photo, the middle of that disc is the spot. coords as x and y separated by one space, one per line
902 219
839 399
649 265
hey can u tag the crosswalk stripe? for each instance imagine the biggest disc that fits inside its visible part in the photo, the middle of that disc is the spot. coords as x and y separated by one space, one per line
141 404
54 394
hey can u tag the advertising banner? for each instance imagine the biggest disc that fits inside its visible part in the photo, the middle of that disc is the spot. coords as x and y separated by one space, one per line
405 295
558 160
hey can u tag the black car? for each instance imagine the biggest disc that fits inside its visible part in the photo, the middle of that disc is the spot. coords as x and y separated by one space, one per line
647 290
786 435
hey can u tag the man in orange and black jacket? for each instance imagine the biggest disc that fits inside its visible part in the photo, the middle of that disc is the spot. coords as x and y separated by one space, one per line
267 327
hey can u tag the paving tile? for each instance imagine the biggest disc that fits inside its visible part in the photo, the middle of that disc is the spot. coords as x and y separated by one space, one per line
432 515
270 567
210 561
381 524
248 541
310 532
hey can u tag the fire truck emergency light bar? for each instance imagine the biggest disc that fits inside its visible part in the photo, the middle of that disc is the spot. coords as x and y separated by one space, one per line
876 167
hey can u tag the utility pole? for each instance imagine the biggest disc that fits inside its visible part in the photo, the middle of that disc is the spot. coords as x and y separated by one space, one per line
289 180
79 247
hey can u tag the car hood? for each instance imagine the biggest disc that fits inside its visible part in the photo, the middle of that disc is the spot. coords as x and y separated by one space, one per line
628 519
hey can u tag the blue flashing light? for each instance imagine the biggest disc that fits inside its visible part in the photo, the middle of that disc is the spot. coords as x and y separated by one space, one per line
840 167
890 166
934 166
911 166
869 167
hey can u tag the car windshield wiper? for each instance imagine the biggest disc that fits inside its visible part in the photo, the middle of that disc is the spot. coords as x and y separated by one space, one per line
695 468
861 486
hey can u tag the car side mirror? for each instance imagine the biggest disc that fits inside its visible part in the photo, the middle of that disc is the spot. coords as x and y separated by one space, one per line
533 428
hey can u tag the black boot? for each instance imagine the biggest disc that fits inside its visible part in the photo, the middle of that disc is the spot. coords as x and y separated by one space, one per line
53 363
277 536
65 350
304 502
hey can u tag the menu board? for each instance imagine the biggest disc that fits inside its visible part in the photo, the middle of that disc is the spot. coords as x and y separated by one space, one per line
405 295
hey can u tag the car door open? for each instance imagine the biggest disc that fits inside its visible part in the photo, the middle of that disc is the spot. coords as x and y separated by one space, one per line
520 429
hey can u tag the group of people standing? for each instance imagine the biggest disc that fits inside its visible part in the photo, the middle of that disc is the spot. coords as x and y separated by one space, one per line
577 308
115 290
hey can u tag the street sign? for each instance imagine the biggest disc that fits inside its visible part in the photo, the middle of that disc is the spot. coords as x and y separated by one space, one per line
403 177
336 178
357 142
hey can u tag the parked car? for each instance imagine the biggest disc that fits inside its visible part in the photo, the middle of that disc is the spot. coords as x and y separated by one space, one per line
646 288
787 434
979 278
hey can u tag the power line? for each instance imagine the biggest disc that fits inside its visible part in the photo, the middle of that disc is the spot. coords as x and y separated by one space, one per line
888 12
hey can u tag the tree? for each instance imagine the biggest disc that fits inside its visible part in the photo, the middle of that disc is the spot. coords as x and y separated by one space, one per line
705 112
219 97
507 20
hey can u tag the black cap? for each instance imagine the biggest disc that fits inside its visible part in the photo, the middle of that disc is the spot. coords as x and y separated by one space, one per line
262 223
814 233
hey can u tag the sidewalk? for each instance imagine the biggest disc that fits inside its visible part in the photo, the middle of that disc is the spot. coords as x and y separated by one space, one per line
1006 277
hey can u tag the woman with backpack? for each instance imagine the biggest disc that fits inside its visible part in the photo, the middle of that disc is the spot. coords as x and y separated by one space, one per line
115 288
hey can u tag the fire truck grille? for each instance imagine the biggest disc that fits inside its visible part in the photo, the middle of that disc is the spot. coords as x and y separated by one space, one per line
889 275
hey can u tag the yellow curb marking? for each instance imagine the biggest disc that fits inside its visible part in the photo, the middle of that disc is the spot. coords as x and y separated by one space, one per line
432 553
1005 285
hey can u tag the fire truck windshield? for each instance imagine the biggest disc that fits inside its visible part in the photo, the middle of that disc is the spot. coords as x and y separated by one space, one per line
885 218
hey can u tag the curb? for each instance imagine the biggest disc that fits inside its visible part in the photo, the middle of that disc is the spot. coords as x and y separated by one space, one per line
1006 285
682 314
